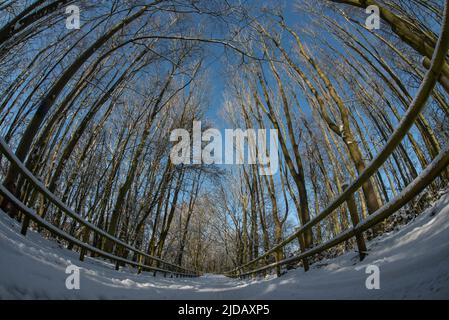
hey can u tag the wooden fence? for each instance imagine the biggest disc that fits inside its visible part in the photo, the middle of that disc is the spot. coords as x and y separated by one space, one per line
439 164
156 264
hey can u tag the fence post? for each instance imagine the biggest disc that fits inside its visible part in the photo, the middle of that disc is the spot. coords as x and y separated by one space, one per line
85 238
116 250
352 206
25 224
82 253
139 261
302 246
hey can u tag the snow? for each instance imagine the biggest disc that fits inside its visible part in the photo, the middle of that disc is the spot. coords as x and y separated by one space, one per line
413 262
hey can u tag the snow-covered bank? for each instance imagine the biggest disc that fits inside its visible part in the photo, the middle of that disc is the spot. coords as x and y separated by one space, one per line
413 262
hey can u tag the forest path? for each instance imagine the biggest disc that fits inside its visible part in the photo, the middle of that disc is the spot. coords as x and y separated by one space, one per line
413 263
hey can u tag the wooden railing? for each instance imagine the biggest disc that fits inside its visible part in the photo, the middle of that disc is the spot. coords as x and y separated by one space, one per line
157 264
423 180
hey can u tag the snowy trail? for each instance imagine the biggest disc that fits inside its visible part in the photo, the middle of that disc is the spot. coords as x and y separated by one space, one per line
413 262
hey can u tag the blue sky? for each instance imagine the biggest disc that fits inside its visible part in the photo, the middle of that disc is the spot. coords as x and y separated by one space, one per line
217 69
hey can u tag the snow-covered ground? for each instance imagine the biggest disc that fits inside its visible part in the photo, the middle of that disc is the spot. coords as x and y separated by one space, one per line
413 262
